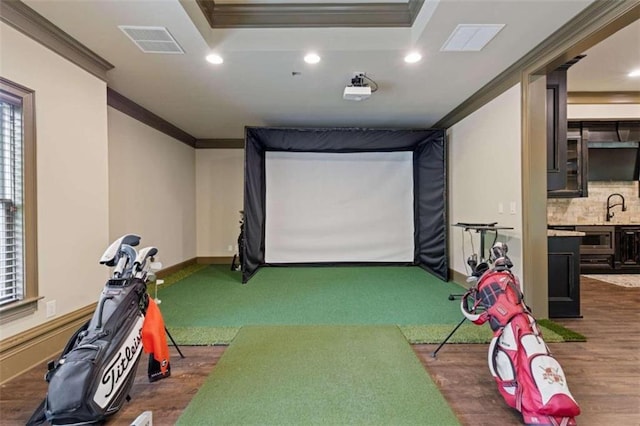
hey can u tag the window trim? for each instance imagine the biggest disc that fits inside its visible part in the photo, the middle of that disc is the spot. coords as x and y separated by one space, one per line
29 303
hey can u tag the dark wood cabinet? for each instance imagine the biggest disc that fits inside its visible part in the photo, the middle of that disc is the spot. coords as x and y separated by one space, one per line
575 169
562 167
627 247
564 277
613 149
557 129
595 138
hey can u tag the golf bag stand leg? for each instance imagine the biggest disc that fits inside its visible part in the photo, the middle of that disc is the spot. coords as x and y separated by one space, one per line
174 342
433 355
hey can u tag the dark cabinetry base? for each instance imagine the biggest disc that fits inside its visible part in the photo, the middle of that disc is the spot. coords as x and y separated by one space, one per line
564 277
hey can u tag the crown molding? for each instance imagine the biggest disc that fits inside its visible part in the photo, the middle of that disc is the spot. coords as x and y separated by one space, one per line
603 98
133 110
303 15
143 115
219 143
26 20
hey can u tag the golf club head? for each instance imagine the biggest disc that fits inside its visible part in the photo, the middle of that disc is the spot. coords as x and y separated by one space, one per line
144 253
110 256
499 250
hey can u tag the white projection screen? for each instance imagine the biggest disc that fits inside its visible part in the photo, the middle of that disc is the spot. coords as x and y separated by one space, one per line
339 207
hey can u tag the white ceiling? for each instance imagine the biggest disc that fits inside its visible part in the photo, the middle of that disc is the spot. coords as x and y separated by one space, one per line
255 85
607 64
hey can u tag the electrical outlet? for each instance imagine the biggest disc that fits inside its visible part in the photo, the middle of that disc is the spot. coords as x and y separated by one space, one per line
229 247
500 208
51 308
512 207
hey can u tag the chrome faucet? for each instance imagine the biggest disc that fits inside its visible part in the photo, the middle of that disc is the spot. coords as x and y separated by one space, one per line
610 206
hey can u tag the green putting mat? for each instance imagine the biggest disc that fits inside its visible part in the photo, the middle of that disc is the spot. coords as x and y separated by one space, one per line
322 375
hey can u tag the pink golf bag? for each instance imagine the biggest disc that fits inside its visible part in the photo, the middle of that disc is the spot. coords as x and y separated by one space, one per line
529 378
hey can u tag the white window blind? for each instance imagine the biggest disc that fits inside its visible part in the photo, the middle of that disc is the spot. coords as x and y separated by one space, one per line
11 199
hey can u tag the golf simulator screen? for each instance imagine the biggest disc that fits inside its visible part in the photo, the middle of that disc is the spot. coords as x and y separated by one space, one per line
333 207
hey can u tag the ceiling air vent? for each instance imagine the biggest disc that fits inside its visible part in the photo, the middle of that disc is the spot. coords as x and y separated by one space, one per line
470 37
152 39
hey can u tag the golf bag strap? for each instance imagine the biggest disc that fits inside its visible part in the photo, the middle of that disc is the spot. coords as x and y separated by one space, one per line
38 417
471 315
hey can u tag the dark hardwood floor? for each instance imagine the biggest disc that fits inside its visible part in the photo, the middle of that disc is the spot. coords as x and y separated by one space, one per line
603 373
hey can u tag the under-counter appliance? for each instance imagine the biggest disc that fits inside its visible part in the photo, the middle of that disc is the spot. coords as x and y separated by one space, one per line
597 246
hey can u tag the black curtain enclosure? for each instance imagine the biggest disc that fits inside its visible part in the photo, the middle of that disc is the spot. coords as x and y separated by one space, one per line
429 171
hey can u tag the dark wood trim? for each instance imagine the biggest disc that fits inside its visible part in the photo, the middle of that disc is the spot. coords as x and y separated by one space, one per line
572 39
175 268
578 98
26 98
214 260
219 143
303 15
26 20
133 110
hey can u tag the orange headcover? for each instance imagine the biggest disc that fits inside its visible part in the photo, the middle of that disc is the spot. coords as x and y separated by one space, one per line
154 338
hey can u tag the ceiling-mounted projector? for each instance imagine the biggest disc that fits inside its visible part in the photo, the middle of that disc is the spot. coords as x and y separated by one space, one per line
356 93
358 90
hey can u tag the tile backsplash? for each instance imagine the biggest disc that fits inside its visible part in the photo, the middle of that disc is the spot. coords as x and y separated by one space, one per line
592 210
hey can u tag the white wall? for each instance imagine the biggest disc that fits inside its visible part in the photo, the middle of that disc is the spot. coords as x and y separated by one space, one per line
71 122
219 198
602 112
151 188
484 173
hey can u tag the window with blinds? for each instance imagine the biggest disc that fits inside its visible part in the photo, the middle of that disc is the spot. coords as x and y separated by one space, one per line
11 201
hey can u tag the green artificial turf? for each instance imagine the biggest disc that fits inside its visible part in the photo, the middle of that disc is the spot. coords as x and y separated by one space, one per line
319 375
180 275
208 305
566 334
432 333
215 297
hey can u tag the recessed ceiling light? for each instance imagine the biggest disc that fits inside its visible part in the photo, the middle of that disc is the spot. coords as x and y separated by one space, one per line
412 58
311 58
634 73
214 59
